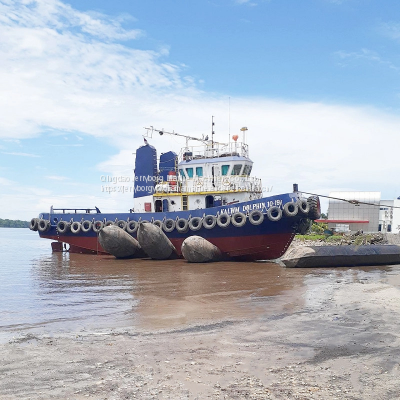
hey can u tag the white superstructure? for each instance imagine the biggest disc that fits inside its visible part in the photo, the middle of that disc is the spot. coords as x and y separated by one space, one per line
207 175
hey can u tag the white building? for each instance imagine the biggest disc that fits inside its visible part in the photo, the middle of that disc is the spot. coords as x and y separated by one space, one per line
389 216
354 215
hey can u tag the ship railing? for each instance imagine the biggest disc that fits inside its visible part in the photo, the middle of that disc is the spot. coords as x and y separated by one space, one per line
212 150
73 210
219 183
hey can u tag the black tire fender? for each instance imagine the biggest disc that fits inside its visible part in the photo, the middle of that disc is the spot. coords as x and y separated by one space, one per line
274 213
256 217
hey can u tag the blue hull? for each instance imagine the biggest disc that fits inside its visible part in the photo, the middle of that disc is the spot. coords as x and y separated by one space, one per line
267 240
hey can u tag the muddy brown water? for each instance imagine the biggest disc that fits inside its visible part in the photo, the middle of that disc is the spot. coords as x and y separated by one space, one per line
50 293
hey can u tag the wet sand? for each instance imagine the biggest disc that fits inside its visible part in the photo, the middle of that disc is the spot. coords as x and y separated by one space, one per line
213 331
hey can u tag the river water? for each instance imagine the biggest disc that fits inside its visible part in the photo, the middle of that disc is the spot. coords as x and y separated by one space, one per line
49 293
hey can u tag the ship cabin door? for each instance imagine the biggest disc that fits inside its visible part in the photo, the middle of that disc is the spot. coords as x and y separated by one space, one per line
158 206
209 201
165 205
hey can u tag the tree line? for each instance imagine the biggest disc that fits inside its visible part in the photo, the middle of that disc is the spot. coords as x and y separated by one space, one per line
13 223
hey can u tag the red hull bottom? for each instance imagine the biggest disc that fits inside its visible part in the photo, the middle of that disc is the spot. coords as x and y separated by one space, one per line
261 247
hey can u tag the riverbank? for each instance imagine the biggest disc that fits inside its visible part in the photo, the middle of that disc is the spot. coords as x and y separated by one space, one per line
357 239
322 335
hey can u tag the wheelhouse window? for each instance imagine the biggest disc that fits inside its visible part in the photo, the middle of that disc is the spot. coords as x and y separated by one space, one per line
182 173
225 169
236 169
199 171
189 172
247 170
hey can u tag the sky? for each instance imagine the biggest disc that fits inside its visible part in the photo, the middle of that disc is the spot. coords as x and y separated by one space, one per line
315 82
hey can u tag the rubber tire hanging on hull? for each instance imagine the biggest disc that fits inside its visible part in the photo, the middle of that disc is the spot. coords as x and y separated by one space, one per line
304 207
121 224
182 225
33 226
259 217
209 221
86 226
75 227
132 226
274 213
220 221
158 223
195 223
290 209
315 207
97 226
169 225
63 226
43 225
238 219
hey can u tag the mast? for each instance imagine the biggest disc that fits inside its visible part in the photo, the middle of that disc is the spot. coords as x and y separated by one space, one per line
212 147
212 135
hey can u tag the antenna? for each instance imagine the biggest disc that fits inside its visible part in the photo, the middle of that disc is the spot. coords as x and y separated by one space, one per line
244 129
229 125
212 135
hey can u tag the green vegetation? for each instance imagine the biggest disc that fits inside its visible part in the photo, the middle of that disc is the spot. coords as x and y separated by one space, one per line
335 238
318 228
12 223
310 237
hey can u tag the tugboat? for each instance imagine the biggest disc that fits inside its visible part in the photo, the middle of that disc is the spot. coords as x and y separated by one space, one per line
206 190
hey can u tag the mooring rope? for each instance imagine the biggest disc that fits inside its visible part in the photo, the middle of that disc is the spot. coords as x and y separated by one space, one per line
355 202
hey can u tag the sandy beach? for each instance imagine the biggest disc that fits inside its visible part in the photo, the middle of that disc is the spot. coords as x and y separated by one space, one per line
329 335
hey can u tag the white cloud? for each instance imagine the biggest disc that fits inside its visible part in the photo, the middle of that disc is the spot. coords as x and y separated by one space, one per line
247 2
19 154
366 55
390 29
55 77
53 14
6 182
57 178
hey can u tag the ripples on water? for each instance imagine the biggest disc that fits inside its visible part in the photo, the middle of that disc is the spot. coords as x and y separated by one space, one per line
60 292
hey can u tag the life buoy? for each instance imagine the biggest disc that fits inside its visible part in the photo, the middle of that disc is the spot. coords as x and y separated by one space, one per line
158 223
256 217
169 225
209 221
86 226
223 220
121 224
97 226
274 213
63 226
304 207
195 223
290 209
182 225
75 227
238 219
33 226
132 226
43 225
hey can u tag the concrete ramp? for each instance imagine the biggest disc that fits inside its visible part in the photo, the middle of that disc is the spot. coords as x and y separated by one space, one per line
341 256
